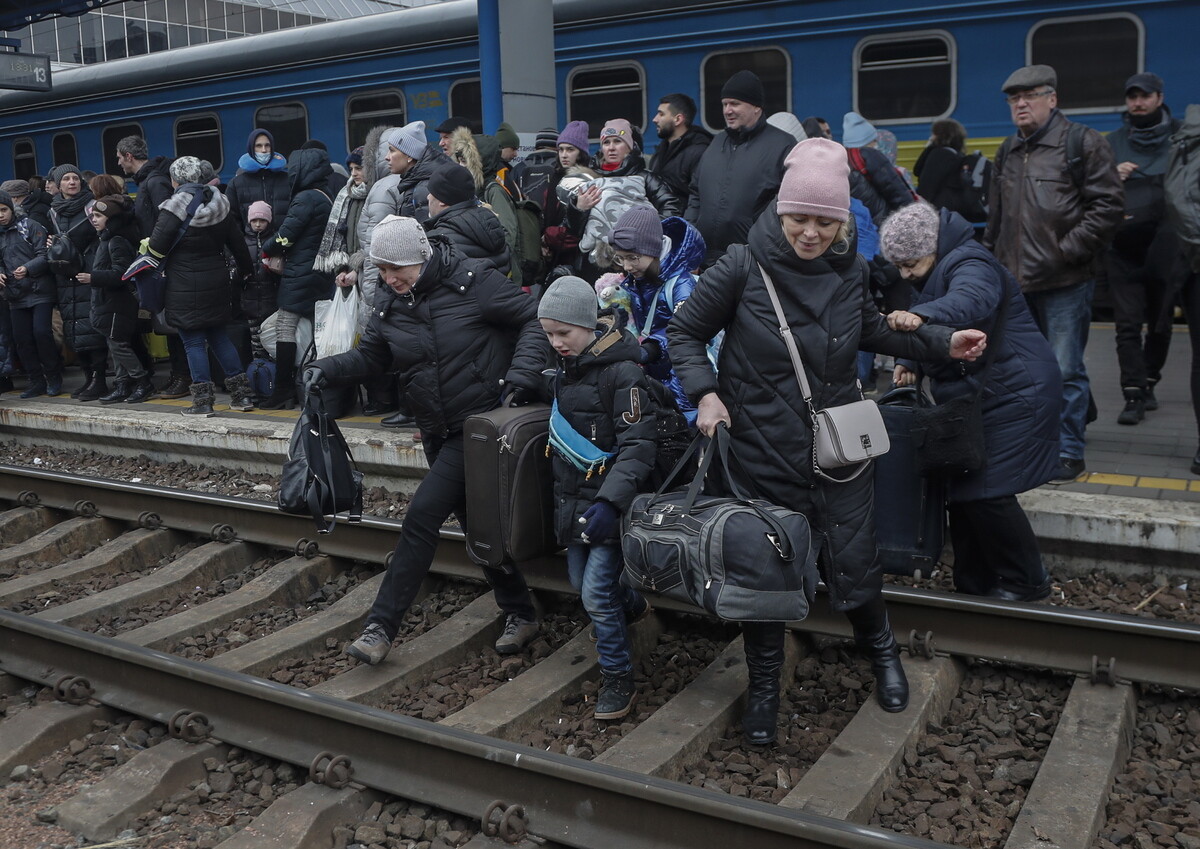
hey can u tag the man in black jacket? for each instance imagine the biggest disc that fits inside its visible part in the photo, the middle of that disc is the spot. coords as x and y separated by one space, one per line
460 336
153 179
1140 261
682 144
739 173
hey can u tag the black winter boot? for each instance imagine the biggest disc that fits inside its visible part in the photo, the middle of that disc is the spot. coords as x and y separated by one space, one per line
764 661
54 384
87 379
873 636
176 387
122 386
283 397
240 394
202 400
96 387
1135 405
140 390
616 695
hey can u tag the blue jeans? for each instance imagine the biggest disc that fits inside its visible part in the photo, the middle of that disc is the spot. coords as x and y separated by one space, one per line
196 344
595 570
1064 317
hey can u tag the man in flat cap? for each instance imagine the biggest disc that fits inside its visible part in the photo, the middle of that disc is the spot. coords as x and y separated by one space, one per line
1055 201
1141 260
740 171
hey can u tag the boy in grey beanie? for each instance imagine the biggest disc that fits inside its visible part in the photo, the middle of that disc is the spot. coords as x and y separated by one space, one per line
570 300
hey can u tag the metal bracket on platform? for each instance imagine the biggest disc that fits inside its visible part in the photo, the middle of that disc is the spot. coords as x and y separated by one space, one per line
330 770
189 726
73 690
921 645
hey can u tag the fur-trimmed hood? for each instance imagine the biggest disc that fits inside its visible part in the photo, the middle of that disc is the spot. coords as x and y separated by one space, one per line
465 152
375 151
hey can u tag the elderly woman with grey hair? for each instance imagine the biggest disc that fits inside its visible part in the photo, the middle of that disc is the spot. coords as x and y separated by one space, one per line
198 302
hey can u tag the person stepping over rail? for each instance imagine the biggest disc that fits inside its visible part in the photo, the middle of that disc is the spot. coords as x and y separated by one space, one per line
458 334
598 390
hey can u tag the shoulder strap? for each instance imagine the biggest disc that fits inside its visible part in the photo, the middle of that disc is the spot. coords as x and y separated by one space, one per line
1001 153
1075 163
788 339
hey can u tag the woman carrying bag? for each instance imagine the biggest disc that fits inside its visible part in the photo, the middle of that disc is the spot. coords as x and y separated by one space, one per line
961 284
807 249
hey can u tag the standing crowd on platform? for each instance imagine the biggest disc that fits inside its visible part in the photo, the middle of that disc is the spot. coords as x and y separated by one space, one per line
631 291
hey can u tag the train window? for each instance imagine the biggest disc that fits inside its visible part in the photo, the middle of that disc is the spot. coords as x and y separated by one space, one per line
466 101
771 64
112 134
372 109
24 159
905 77
600 92
1093 55
64 149
288 123
200 136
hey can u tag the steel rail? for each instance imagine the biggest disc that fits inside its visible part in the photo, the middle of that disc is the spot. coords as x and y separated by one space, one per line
1075 641
576 803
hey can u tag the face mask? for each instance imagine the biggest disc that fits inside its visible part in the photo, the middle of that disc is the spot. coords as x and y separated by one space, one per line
262 158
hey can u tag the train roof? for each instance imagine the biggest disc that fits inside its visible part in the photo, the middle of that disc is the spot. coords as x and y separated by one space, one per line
439 23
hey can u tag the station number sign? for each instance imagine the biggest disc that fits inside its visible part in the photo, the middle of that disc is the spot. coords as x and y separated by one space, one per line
24 71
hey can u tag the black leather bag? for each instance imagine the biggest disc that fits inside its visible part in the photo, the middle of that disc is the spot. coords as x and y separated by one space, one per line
63 257
741 559
319 478
949 436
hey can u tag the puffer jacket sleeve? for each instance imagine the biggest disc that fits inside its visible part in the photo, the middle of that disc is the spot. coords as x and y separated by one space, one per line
503 305
166 231
625 395
372 356
927 342
120 256
661 197
1102 197
376 208
972 300
706 312
236 242
886 180
38 264
300 212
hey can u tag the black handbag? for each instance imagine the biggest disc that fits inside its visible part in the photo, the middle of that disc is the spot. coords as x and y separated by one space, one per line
319 478
741 559
62 256
948 437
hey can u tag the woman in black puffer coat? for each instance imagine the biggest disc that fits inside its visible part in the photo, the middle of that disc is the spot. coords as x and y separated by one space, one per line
298 241
806 248
114 303
198 302
68 213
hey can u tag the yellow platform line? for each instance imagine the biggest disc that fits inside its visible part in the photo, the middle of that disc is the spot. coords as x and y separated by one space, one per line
1144 481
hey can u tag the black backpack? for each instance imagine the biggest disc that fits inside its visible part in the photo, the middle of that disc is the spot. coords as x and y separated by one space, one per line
975 179
319 478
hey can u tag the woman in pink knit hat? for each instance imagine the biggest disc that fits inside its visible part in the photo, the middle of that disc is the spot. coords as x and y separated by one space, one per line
806 245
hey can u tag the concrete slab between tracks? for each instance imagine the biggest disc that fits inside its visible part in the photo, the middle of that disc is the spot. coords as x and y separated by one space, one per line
104 809
303 819
37 731
385 457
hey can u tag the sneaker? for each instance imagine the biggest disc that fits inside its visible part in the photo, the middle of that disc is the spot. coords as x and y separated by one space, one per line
372 647
518 633
1135 407
1151 401
1069 470
616 695
631 619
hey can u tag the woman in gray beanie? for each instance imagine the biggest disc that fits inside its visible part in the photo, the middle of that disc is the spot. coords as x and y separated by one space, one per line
961 284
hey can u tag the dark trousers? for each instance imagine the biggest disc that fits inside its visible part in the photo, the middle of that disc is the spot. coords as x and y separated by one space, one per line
441 493
178 355
994 546
1142 297
33 337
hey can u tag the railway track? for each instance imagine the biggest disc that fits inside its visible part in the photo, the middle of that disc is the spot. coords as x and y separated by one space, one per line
225 621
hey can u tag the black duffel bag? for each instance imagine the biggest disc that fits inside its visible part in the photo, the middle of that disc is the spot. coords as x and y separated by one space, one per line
741 559
319 478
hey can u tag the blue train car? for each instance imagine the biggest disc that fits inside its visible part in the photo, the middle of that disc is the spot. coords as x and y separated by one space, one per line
902 66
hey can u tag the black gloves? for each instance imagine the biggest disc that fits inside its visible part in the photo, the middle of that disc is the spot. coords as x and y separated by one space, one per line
651 351
518 396
601 522
314 380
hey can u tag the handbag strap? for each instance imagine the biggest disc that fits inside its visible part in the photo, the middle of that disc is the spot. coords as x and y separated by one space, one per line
798 367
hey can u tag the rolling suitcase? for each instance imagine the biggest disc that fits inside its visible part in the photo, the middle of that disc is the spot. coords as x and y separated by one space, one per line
510 509
910 510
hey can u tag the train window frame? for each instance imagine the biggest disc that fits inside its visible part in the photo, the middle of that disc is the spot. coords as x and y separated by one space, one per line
304 108
607 66
108 145
399 92
1139 26
192 116
758 48
18 157
454 112
74 143
899 37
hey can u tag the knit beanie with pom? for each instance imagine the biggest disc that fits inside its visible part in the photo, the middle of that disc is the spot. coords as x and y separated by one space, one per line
186 169
910 232
816 181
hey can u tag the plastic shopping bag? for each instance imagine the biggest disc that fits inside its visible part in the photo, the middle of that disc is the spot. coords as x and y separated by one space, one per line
336 322
304 335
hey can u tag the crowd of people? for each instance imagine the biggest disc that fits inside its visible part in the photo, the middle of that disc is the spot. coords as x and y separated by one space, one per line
630 290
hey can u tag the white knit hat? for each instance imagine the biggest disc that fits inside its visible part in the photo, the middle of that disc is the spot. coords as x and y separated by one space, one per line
409 139
399 241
